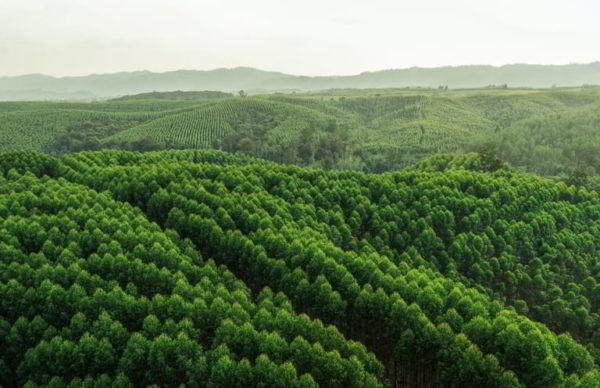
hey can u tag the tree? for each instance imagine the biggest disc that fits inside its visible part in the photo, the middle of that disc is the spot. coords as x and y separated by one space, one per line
247 145
488 155
578 177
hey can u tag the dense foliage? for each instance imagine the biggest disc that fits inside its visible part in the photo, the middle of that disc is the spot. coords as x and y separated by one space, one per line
451 278
556 144
547 132
92 293
216 269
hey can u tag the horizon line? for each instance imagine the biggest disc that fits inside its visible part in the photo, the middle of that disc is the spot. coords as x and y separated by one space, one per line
301 75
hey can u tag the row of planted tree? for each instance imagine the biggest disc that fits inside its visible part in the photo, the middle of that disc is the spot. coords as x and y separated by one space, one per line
92 294
439 274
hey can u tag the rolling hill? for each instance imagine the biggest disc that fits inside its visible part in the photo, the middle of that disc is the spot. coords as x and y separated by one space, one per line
37 126
209 126
211 269
549 132
550 144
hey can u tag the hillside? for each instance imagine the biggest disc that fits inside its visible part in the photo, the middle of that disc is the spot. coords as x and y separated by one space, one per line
176 95
182 319
547 132
552 144
232 80
197 267
274 130
58 128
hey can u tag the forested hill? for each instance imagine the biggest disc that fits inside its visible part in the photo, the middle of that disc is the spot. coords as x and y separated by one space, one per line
548 132
232 80
216 270
176 95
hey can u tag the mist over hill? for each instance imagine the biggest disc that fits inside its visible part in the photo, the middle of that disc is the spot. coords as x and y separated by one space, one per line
44 87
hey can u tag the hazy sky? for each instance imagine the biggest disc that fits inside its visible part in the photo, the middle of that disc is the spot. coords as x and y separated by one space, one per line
76 37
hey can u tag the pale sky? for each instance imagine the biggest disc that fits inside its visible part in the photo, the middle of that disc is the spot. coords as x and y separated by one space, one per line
311 37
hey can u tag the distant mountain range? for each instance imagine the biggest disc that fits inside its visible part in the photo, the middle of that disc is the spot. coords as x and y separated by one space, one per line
44 87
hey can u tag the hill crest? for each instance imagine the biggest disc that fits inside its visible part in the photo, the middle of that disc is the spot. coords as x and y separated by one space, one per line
256 80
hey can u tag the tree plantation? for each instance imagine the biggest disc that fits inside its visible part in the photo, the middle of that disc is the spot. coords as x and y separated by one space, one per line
408 198
94 294
210 269
549 132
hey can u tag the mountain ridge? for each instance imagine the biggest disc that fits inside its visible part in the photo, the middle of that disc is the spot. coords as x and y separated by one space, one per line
251 79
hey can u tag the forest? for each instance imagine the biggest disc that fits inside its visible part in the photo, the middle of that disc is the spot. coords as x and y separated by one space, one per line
548 132
425 238
314 194
205 268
